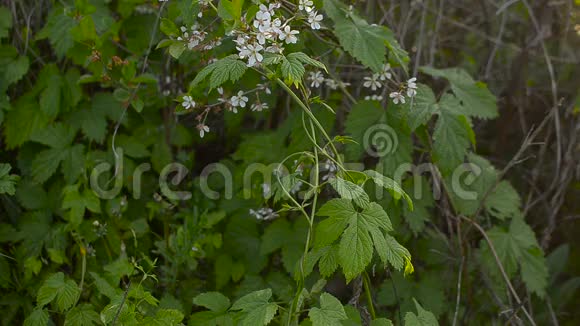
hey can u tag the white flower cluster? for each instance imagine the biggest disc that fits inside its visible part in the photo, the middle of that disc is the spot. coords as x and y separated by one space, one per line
377 80
264 213
270 30
411 89
316 79
266 33
193 37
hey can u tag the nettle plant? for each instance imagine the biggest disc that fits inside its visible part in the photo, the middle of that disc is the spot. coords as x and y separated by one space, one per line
322 104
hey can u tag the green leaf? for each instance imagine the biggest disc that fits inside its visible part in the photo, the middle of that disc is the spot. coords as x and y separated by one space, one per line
230 9
363 230
477 100
176 49
38 317
45 164
420 109
7 181
93 123
21 123
213 301
292 70
103 286
362 116
256 308
350 191
503 201
77 202
83 314
330 313
422 318
390 185
55 287
534 271
14 71
168 27
58 30
397 255
517 246
363 41
305 59
451 137
221 71
381 322
57 136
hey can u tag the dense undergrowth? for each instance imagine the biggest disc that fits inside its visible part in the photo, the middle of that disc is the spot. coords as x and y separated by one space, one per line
296 162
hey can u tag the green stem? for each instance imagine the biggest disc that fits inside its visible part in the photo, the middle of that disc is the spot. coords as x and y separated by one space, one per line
366 283
310 115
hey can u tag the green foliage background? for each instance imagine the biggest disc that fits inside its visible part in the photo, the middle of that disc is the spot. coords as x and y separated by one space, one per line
85 79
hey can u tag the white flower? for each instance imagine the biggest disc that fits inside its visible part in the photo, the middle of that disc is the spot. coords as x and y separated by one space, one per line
259 106
239 100
264 214
331 83
202 129
252 52
266 190
374 97
411 87
262 19
386 74
241 40
188 102
397 97
316 79
372 82
314 19
305 5
288 34
274 48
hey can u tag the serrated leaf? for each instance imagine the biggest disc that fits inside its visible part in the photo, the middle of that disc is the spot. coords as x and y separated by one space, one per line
350 191
503 201
364 230
477 100
305 59
38 317
21 123
381 322
257 308
330 313
213 301
422 318
221 71
451 137
534 271
420 109
55 288
7 180
103 286
390 185
82 315
292 70
58 30
50 98
364 42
